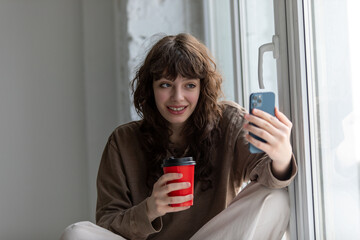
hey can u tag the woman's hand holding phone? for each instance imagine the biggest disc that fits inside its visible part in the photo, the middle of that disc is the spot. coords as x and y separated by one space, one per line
276 132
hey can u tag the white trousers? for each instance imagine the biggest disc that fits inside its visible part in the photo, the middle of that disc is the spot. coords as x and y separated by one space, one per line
256 212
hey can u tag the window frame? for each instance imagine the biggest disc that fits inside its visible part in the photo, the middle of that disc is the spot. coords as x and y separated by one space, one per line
293 71
302 225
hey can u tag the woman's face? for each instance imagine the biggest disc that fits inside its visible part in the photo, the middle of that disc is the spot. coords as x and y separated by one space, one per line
176 100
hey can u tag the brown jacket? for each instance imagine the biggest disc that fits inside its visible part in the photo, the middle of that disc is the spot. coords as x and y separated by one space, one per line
122 191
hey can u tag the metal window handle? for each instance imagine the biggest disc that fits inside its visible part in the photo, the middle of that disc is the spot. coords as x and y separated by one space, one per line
274 47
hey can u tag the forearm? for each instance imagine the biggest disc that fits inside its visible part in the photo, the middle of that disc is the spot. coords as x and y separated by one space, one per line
281 171
132 223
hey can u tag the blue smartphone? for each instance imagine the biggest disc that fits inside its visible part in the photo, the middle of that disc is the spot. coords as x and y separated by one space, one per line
264 101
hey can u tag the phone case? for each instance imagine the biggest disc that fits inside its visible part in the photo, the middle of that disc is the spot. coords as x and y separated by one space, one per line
264 101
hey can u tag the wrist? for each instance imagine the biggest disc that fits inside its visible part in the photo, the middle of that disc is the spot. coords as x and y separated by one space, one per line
151 216
281 170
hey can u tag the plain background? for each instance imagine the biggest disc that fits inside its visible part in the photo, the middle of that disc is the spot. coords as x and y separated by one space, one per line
65 67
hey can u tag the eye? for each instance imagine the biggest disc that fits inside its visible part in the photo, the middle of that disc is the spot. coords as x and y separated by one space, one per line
190 85
165 85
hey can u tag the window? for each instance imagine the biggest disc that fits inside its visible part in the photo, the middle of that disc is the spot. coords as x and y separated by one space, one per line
220 42
334 109
316 78
257 28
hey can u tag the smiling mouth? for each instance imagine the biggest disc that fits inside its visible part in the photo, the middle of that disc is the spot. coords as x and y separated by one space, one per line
177 110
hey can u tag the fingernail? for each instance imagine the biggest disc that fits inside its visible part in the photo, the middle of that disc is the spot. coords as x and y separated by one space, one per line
180 175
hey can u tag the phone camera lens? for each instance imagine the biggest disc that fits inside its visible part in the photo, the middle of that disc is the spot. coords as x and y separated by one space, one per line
259 100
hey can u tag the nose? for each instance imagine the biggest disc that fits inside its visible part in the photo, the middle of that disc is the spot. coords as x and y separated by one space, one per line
177 94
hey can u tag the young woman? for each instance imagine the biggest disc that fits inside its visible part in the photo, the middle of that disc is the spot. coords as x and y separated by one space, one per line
176 92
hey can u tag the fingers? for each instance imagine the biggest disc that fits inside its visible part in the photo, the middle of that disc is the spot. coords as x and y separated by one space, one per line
159 201
167 200
263 128
269 123
157 207
180 199
273 130
175 186
260 133
259 144
168 177
282 118
178 209
264 120
162 188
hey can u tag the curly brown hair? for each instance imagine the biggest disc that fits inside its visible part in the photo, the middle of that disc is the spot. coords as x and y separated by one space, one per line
170 57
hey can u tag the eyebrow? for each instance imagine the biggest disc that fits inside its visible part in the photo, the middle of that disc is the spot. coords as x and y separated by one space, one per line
191 79
184 79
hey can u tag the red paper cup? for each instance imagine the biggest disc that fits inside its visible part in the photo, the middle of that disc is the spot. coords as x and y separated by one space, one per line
185 166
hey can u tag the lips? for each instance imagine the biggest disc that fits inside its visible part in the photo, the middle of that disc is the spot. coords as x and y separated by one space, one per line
176 109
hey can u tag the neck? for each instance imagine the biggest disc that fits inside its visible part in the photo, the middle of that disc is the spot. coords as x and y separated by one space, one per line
177 138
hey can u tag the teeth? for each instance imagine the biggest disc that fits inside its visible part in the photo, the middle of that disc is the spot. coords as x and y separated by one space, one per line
176 109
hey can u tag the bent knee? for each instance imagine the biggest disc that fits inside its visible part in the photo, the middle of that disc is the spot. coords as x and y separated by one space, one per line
76 231
278 200
279 196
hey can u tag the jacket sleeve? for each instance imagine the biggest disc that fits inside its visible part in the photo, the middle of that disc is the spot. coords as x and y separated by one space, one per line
255 167
115 210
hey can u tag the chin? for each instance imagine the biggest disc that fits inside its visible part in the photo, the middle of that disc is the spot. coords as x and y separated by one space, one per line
178 122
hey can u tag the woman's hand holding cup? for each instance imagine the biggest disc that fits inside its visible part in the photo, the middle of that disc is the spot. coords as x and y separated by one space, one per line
158 204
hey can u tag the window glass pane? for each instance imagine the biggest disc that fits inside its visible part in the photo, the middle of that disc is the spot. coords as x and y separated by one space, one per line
336 117
220 42
257 28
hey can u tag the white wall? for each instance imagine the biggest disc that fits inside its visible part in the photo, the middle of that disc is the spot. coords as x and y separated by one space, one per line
43 169
100 77
147 21
116 34
65 67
